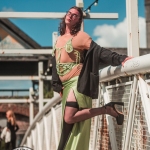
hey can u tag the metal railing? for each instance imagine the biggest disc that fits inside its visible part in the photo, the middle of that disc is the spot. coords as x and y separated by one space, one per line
129 84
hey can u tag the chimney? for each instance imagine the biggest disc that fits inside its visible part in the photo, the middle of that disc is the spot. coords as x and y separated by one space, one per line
147 12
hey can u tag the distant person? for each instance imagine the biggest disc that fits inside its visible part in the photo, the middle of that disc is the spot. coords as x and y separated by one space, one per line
6 135
75 75
13 128
0 134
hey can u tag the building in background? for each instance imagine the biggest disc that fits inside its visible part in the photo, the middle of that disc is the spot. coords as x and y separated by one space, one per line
12 38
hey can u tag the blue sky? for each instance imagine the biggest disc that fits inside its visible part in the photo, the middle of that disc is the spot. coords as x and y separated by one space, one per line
41 29
104 32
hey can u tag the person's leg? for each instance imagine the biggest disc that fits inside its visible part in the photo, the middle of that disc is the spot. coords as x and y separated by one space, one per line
13 143
7 146
73 115
66 128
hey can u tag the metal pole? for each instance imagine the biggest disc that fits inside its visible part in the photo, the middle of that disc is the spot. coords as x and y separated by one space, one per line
55 126
47 134
147 14
96 121
33 138
132 27
40 66
82 26
131 114
54 37
29 52
110 123
79 3
25 77
144 92
39 135
55 15
31 111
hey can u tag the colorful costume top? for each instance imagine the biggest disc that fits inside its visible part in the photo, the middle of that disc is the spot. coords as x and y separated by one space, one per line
69 54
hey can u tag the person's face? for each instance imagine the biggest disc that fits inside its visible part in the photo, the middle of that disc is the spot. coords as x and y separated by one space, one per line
7 114
72 17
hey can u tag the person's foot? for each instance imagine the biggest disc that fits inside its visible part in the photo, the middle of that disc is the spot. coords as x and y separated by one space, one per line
110 111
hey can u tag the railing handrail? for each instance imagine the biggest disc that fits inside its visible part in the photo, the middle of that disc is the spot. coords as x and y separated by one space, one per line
137 65
38 117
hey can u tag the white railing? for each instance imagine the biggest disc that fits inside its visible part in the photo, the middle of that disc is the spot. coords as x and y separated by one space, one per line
43 132
129 84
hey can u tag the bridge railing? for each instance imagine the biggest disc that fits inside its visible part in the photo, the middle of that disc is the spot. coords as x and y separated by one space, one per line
129 84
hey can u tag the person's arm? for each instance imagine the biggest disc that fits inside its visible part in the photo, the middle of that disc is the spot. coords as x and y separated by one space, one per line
8 124
56 83
16 128
107 56
111 58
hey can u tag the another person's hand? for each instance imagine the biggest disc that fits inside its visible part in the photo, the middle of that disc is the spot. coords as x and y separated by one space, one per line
130 57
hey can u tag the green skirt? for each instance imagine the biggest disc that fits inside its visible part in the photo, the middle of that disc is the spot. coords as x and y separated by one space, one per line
75 136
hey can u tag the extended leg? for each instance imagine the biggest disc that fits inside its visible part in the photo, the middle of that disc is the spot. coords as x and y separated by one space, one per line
73 115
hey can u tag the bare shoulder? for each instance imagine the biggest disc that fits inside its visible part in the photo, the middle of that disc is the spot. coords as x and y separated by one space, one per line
83 34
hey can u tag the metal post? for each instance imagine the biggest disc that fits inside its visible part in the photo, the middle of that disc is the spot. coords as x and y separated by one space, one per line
131 114
55 126
144 91
82 26
54 37
79 3
40 66
31 111
39 136
147 14
33 137
47 134
132 27
96 121
29 140
110 123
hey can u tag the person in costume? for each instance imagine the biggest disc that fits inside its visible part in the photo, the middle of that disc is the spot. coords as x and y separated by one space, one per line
75 75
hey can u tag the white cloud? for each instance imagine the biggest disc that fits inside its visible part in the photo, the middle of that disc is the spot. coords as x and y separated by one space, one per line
5 9
116 36
142 32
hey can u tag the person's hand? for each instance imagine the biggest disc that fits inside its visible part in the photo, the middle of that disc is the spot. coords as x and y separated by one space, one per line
61 92
130 57
7 129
